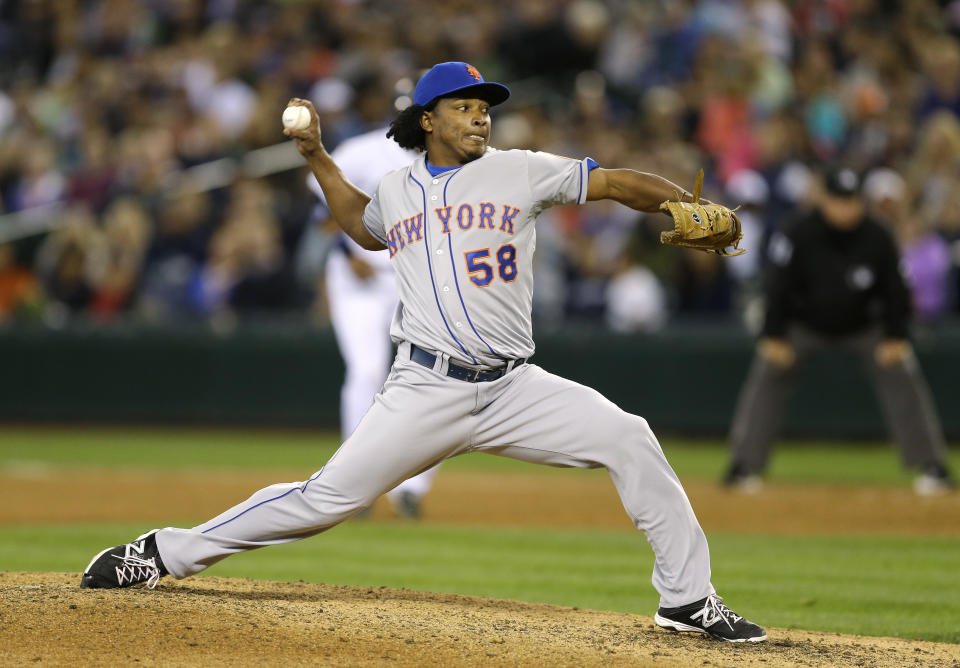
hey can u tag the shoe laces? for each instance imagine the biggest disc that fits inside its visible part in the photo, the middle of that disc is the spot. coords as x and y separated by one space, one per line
715 611
133 570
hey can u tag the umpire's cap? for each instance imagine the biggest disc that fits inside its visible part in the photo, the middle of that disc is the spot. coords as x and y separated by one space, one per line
842 182
456 77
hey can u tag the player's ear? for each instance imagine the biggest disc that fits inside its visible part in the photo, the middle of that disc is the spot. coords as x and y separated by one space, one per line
426 121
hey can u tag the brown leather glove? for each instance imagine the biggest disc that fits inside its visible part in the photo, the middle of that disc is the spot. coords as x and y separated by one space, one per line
707 227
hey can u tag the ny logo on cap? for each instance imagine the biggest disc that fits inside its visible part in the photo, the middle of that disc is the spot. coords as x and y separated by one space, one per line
472 71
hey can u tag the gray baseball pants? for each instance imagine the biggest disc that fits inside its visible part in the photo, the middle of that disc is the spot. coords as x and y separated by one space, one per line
422 417
901 388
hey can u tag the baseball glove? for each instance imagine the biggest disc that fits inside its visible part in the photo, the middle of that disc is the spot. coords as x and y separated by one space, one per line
706 227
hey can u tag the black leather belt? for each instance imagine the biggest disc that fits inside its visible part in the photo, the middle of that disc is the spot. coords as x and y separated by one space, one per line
422 357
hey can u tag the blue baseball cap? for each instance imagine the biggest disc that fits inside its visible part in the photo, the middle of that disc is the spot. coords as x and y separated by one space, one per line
456 77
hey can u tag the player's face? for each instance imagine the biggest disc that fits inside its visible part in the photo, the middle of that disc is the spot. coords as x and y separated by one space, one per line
457 131
843 213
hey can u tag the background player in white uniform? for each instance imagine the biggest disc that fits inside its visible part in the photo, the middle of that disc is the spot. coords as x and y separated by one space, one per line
458 225
362 295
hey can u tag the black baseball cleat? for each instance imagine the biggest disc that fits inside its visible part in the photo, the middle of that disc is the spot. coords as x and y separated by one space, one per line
710 616
134 563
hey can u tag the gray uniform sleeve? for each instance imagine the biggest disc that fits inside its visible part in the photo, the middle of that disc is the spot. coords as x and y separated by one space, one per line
555 179
373 218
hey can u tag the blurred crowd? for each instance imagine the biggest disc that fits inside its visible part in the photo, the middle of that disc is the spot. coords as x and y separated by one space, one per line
125 128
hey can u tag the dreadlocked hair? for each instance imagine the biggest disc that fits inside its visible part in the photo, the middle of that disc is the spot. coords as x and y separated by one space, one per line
405 128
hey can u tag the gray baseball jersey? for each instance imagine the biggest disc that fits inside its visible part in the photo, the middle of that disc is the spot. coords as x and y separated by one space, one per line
461 244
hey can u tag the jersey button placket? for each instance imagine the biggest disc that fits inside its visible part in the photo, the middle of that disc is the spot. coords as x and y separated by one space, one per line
443 271
446 273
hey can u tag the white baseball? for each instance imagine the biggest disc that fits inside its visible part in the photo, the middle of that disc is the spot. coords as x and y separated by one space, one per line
296 117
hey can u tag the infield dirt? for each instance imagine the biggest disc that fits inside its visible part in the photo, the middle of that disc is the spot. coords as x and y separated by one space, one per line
547 498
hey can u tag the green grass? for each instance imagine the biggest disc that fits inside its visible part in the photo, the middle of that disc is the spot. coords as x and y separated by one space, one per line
904 587
215 449
889 586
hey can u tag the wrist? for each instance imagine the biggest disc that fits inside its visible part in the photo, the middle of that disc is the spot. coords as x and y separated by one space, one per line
317 157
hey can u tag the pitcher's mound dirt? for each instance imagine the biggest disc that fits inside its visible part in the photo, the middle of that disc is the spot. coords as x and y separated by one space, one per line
45 618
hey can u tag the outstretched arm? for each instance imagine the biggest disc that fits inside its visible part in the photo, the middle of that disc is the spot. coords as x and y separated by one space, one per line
345 201
638 190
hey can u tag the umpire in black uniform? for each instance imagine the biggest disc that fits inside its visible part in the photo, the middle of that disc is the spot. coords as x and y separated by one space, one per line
834 282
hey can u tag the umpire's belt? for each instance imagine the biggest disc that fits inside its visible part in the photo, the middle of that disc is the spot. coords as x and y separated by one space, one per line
422 357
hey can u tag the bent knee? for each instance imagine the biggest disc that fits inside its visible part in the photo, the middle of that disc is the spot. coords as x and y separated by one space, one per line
630 431
331 505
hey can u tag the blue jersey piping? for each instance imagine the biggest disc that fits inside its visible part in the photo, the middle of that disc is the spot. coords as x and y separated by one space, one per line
456 279
433 284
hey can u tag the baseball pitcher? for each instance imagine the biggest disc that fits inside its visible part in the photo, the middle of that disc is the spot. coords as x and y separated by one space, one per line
458 228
